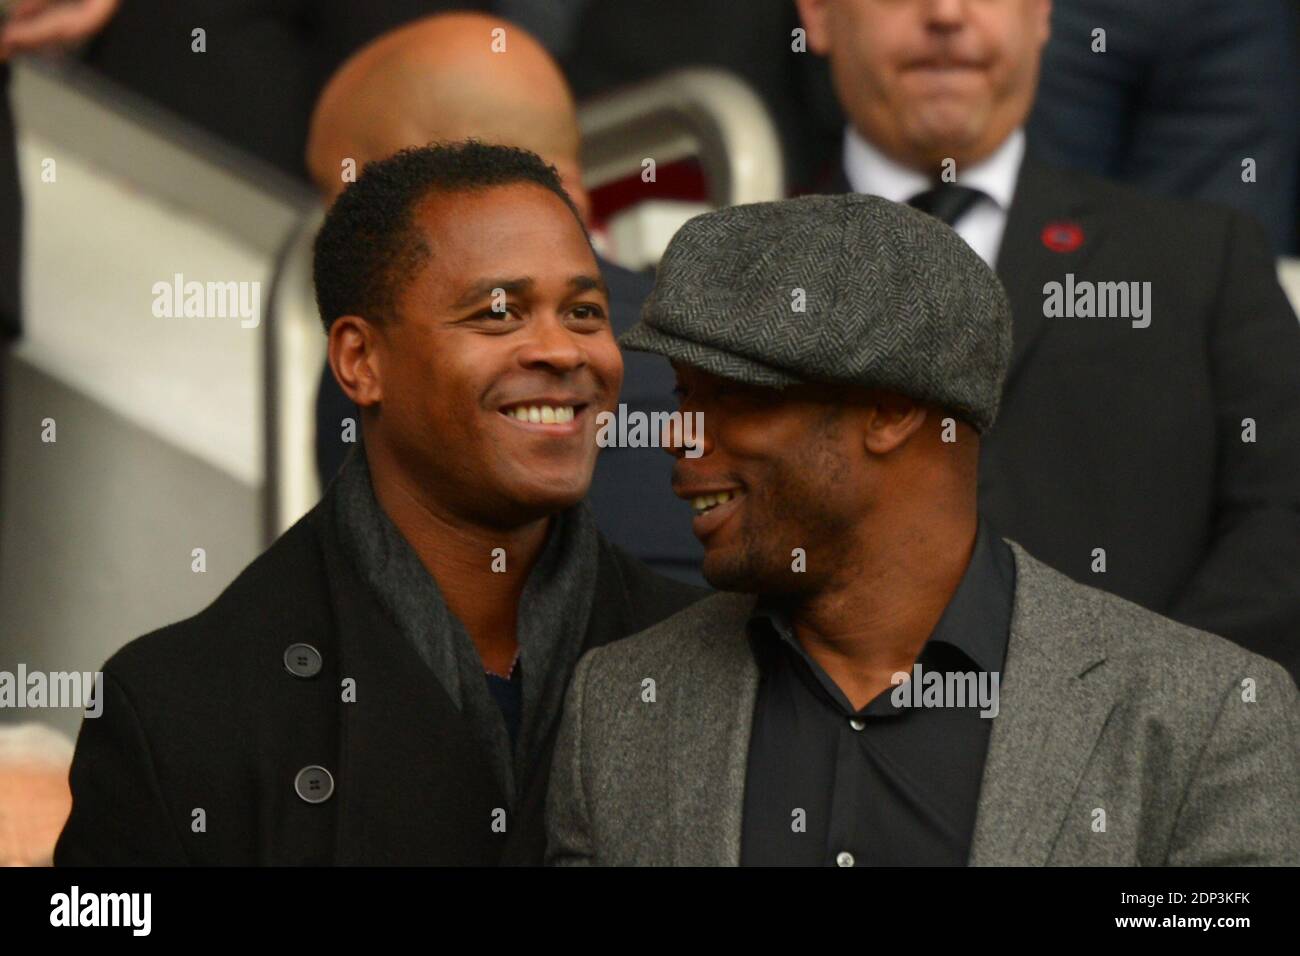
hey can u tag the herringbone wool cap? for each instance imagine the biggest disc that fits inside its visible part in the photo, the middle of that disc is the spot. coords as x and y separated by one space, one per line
892 298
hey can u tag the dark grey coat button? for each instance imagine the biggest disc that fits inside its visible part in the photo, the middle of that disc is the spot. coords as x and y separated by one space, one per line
314 784
302 660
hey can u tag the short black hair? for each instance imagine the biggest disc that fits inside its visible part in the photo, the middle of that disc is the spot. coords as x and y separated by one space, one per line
368 246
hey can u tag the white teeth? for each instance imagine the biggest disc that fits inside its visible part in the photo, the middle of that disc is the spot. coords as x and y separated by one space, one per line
705 502
544 414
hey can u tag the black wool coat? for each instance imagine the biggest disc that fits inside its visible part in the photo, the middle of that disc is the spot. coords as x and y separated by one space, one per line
206 731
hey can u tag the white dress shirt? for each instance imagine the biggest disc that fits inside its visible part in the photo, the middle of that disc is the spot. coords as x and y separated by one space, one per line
868 170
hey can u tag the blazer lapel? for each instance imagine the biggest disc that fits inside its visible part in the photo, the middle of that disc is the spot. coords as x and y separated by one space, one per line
1043 199
1051 715
712 715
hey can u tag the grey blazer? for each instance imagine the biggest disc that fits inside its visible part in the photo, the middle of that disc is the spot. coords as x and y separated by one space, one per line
1103 705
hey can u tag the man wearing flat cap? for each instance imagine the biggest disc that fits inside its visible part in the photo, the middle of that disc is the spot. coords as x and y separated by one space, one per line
894 683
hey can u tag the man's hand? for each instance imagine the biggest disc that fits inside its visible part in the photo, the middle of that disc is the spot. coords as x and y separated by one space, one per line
51 25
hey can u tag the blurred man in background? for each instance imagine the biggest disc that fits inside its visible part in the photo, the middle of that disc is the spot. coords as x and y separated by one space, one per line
1148 445
1181 94
441 78
34 795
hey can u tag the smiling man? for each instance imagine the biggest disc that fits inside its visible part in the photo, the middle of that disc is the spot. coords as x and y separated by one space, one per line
384 684
895 684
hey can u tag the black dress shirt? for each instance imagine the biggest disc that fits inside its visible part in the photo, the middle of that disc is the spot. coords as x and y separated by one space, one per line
508 692
885 785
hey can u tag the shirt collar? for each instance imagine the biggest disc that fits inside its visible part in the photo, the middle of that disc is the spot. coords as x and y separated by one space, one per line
976 621
870 171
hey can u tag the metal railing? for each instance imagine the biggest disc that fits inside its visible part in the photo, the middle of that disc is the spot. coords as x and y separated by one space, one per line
293 357
698 111
157 152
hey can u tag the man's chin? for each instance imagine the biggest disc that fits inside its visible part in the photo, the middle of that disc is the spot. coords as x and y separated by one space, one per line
551 497
726 570
729 572
943 133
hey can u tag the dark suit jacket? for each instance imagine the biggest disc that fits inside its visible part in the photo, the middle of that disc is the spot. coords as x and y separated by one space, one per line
1129 439
630 492
203 714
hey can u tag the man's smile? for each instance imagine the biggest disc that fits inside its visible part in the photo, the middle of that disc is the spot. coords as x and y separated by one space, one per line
549 416
712 505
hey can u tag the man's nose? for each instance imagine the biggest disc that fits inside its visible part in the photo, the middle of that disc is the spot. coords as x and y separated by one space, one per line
944 13
684 434
552 344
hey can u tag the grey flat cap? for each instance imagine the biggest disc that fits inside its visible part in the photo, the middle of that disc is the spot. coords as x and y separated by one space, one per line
892 299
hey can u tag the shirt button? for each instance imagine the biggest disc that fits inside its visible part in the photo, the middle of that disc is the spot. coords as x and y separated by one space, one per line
857 725
844 859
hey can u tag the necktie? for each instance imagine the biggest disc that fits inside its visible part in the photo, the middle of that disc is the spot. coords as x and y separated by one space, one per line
946 201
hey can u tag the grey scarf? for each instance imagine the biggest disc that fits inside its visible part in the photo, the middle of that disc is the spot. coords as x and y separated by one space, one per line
554 611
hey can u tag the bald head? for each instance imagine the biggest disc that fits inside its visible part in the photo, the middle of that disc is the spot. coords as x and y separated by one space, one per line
448 77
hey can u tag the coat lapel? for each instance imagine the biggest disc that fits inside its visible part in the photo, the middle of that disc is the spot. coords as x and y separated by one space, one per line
712 715
1025 263
1054 704
411 785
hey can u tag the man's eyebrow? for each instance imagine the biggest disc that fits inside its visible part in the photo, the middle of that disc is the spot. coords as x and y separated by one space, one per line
484 288
586 283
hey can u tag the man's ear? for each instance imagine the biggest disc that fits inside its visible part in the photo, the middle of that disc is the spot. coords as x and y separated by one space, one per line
354 359
1044 23
812 15
891 422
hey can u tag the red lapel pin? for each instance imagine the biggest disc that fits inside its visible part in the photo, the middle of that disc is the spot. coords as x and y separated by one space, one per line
1062 236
